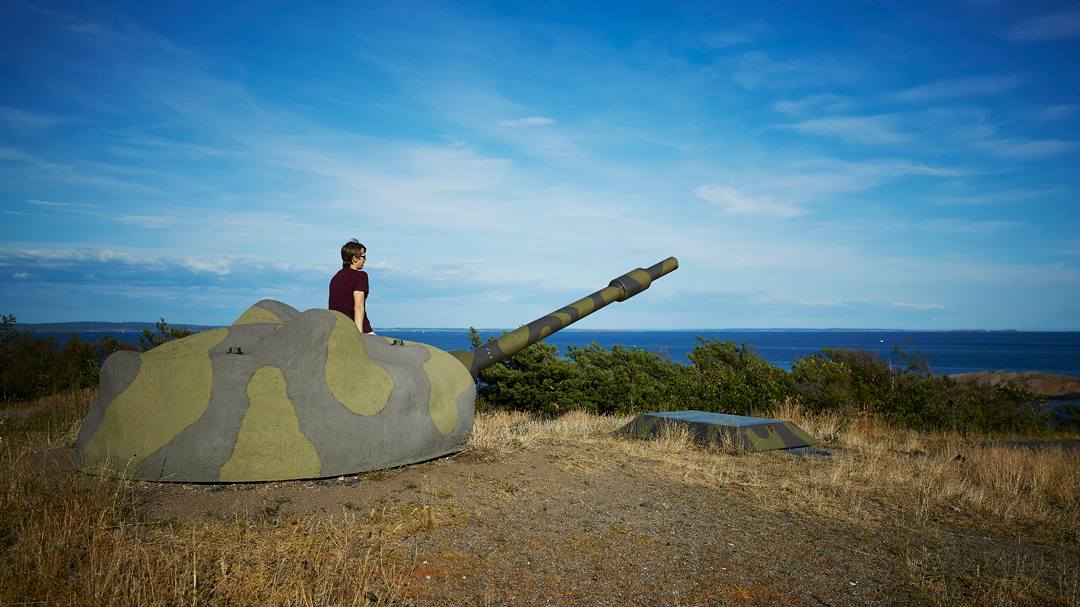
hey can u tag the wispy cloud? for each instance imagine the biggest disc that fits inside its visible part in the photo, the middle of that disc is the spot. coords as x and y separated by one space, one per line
59 258
1009 196
901 304
215 266
826 102
27 121
147 221
1060 112
80 207
1021 148
977 86
736 202
876 130
532 121
740 35
1049 26
964 226
786 190
756 70
7 153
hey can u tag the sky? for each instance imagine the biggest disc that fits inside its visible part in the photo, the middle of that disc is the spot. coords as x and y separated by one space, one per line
900 165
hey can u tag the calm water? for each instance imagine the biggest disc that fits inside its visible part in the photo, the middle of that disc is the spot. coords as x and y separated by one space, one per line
948 352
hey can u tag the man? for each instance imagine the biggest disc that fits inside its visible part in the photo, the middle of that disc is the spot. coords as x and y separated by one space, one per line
349 287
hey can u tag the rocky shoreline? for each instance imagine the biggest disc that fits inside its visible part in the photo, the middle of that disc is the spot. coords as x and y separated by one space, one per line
1052 386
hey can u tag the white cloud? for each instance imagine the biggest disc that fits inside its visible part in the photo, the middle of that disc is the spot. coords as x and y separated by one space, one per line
977 86
23 120
1021 148
1060 112
826 102
216 266
7 153
1002 197
869 129
739 35
755 70
901 304
782 190
962 226
59 258
1049 26
736 202
1069 247
68 207
147 221
21 275
533 121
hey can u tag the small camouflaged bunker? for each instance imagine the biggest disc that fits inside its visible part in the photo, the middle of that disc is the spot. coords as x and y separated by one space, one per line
281 395
751 433
278 395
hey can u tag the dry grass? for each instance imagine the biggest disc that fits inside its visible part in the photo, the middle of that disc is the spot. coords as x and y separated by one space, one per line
901 482
1011 487
70 539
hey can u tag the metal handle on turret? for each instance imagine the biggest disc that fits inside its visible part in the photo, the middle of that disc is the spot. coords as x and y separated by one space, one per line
620 289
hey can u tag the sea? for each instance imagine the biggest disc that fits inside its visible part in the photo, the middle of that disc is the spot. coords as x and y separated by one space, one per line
948 352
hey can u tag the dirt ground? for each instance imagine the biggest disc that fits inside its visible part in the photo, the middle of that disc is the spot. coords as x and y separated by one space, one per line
572 524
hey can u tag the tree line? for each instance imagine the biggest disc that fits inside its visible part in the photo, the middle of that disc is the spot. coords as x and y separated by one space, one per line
34 366
725 377
722 377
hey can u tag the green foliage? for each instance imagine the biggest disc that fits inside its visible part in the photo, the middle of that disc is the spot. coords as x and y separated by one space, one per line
621 380
722 377
725 378
165 333
911 396
729 378
592 378
33 367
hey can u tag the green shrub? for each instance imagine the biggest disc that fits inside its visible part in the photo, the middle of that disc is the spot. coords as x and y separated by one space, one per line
531 380
726 378
621 380
34 367
912 395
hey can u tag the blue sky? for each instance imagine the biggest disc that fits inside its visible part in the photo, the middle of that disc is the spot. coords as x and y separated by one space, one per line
812 165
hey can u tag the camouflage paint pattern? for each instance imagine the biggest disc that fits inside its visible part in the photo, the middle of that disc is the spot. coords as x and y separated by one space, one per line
752 433
620 289
278 395
281 395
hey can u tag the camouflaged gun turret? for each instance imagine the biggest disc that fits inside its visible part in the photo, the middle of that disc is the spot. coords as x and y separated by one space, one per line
282 395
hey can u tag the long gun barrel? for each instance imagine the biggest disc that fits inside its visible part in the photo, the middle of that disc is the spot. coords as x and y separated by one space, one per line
620 289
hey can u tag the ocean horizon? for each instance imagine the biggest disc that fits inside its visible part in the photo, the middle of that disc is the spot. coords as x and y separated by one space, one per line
948 351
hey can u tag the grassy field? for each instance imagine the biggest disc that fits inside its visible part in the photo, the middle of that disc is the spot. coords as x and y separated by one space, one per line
70 539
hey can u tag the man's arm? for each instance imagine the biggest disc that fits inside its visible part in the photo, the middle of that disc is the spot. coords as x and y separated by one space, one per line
358 308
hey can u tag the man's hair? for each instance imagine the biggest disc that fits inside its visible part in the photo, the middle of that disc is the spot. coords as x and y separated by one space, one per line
353 248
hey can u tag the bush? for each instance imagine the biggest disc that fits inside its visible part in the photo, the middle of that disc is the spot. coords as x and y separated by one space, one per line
592 378
621 380
531 380
911 396
34 367
726 378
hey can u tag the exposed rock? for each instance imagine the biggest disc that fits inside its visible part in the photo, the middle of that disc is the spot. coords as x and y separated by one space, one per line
1052 386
